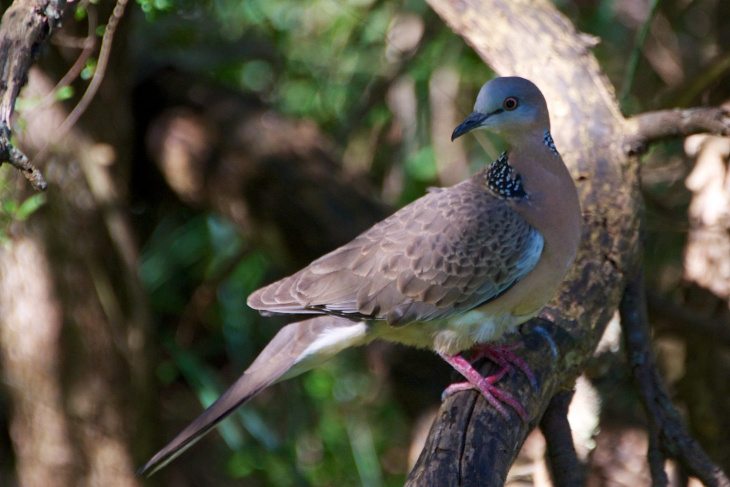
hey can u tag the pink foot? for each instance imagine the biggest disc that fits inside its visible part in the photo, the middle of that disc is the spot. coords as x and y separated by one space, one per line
493 394
502 355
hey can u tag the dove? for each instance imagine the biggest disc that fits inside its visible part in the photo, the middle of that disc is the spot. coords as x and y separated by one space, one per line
454 271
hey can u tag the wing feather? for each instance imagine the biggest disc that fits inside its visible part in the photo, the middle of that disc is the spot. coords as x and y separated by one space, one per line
443 254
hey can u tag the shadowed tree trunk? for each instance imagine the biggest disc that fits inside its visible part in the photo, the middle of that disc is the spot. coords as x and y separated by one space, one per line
73 317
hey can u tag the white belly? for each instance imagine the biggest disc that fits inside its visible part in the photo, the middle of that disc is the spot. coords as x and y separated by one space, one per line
452 335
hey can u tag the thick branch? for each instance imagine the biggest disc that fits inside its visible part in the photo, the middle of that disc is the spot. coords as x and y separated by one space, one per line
666 426
25 25
648 128
470 443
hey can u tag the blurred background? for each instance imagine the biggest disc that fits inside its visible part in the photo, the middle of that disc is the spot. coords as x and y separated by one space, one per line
230 144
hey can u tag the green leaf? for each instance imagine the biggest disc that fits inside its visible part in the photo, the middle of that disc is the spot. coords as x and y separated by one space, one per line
89 70
9 206
80 12
64 92
29 206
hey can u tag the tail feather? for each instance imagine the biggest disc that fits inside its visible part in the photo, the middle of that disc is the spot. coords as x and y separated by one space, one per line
295 349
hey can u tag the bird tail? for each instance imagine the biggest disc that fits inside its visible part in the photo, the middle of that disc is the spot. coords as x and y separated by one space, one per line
297 348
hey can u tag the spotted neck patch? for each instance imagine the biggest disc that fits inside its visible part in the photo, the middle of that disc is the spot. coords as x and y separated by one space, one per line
547 139
503 181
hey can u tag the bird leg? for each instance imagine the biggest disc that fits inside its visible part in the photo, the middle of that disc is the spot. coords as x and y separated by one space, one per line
493 394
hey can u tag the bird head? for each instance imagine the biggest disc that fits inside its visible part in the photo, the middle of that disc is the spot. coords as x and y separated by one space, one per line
511 107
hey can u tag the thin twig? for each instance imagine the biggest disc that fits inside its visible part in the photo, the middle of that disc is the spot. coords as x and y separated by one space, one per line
87 45
654 455
10 154
25 25
564 464
97 78
668 433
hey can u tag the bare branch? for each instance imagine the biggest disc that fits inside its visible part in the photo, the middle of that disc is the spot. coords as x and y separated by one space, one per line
650 127
97 78
13 156
87 46
25 25
564 464
668 433
655 457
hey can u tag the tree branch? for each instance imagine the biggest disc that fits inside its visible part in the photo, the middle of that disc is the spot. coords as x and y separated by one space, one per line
472 442
25 25
668 433
650 127
96 79
564 465
12 155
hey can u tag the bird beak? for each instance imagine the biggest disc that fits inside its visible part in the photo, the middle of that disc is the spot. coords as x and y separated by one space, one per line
473 121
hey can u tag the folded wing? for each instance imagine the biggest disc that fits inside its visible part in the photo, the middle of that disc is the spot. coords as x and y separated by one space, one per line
443 254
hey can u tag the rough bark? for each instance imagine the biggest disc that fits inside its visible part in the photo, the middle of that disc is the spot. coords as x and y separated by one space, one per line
25 25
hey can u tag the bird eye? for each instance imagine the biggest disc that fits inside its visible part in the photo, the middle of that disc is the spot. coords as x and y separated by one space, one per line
510 103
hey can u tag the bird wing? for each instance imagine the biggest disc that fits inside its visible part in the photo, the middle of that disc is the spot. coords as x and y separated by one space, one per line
443 254
297 348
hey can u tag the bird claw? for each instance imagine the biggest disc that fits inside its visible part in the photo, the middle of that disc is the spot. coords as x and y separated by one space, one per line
485 385
493 394
466 386
502 355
